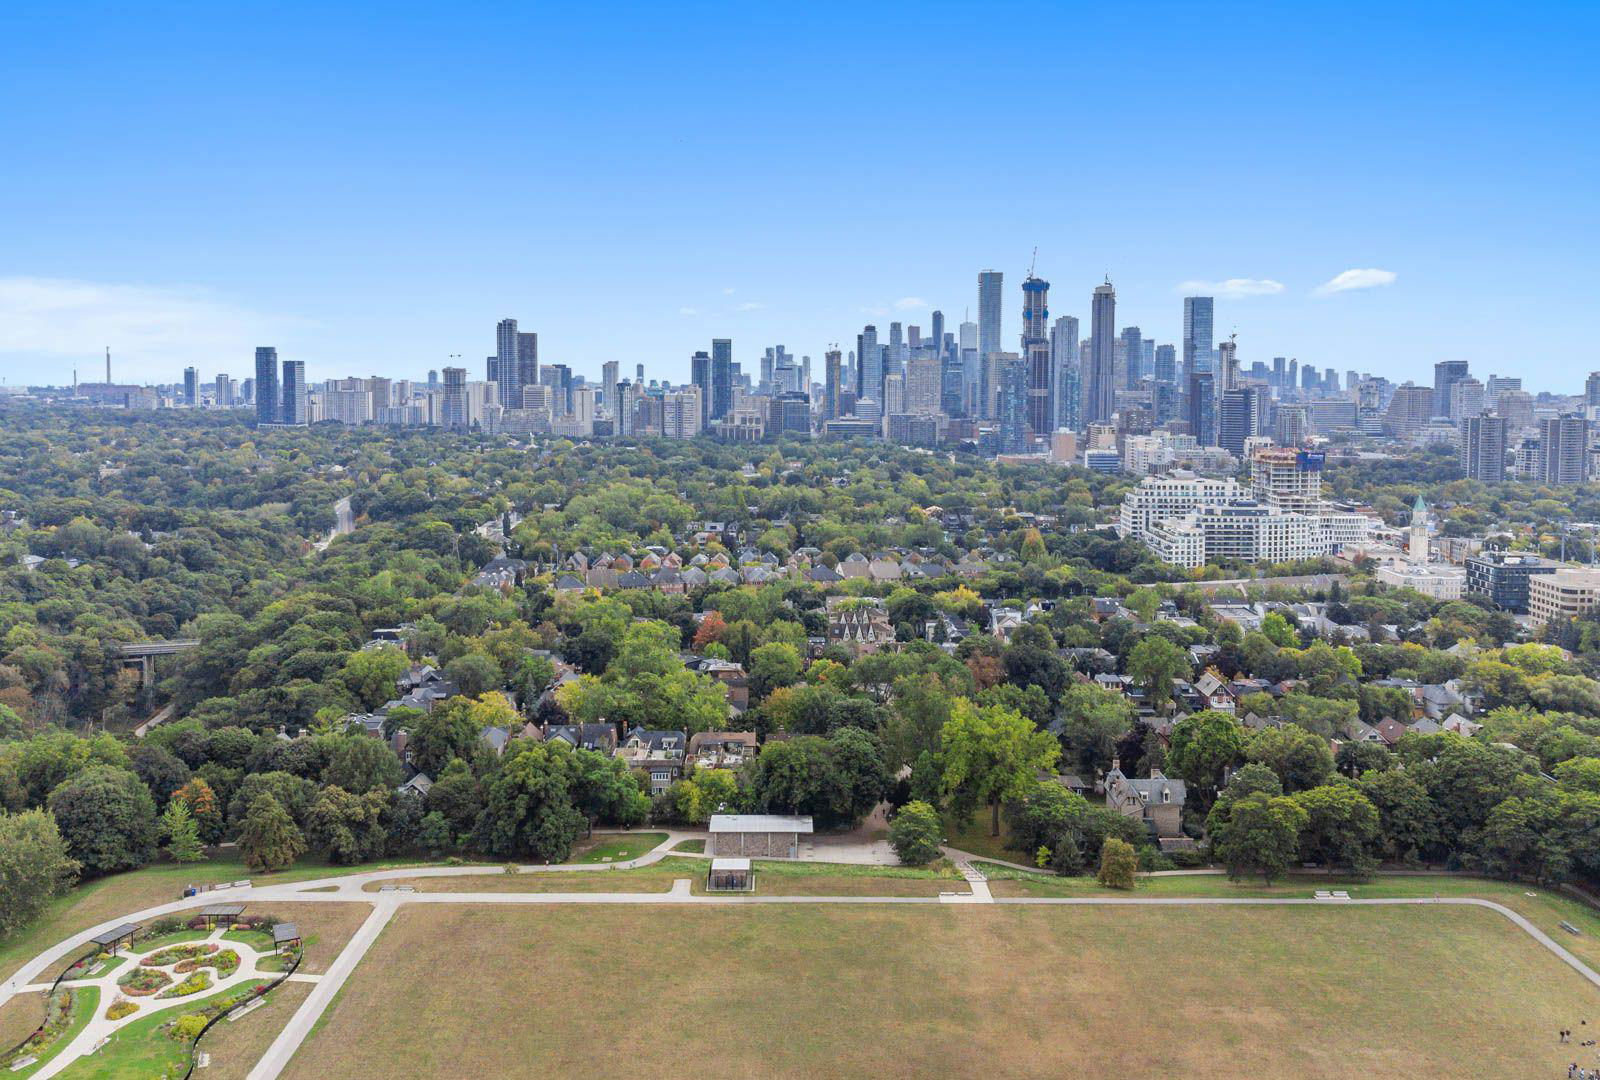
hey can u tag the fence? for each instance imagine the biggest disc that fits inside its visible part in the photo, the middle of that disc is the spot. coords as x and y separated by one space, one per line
48 998
194 1047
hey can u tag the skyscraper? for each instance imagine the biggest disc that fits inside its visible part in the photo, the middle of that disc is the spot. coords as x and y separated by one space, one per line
1483 448
292 411
1133 350
1198 312
527 362
699 375
610 376
1591 388
869 366
1446 373
191 387
1100 392
1236 418
1165 370
225 392
1036 354
1200 408
832 386
502 367
267 396
971 369
1011 405
721 377
990 286
1064 368
453 415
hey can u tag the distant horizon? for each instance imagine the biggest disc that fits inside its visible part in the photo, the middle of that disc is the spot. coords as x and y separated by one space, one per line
1364 189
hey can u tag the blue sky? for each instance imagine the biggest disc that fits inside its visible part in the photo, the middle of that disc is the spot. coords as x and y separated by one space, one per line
371 189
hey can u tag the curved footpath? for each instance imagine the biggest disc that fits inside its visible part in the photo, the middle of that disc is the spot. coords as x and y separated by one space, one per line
348 888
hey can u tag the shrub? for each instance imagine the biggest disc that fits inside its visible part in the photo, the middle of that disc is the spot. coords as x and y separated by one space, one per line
120 1008
196 982
916 833
1119 864
143 981
187 1028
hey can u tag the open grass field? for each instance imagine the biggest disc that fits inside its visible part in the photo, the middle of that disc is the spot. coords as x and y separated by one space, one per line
791 991
327 928
236 1045
86 1001
608 848
119 894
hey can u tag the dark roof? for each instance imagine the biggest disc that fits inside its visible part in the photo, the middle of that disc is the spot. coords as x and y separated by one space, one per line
285 931
111 937
218 911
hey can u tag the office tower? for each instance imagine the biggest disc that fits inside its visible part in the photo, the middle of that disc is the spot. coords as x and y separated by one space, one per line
1483 447
833 376
789 414
505 345
1200 407
1064 365
292 410
1564 449
267 395
1036 354
1279 370
895 359
559 378
936 335
951 399
1100 391
1591 387
433 381
785 376
869 365
699 375
990 284
453 415
224 392
1011 405
971 369
1132 341
191 387
1309 378
1330 380
1237 418
1351 378
924 385
1292 378
767 360
1197 333
1165 368
913 339
721 377
1446 373
611 375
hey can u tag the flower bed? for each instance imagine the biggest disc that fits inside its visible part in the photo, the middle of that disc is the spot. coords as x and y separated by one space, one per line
120 1008
226 963
196 982
178 953
143 981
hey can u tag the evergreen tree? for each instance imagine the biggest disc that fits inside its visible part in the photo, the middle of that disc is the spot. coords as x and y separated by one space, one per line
182 833
269 839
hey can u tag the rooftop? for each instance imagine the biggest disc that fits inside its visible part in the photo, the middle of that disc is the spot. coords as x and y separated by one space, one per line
760 823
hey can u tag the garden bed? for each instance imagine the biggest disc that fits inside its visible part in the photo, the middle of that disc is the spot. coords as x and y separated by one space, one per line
196 982
144 981
178 954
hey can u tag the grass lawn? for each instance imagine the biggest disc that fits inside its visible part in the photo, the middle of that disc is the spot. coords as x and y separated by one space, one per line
617 848
325 929
259 940
236 1045
975 839
86 1000
142 1049
121 894
644 879
777 878
20 1018
177 937
696 846
848 991
94 971
1545 908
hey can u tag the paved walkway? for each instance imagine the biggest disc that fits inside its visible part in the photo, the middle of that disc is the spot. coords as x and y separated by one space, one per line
349 889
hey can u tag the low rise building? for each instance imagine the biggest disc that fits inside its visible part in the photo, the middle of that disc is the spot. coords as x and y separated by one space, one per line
1564 594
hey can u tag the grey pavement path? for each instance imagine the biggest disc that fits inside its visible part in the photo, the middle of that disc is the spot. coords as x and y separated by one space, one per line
299 1026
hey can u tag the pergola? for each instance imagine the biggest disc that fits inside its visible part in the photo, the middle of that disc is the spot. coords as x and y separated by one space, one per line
113 939
216 913
285 935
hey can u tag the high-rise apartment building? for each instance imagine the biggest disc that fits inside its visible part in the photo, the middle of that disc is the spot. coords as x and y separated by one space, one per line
990 286
923 386
292 410
832 385
1198 314
191 387
1100 389
1564 449
453 414
869 365
699 375
721 377
1591 388
1011 406
1132 342
1068 391
225 392
1483 447
1165 367
1200 407
971 370
268 397
1236 418
527 360
1036 354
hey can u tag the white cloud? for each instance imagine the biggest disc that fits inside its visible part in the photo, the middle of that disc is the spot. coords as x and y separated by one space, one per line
906 303
1355 279
688 311
148 328
750 305
1232 288
728 291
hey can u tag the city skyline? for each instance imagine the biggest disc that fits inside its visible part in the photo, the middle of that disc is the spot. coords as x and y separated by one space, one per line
320 193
